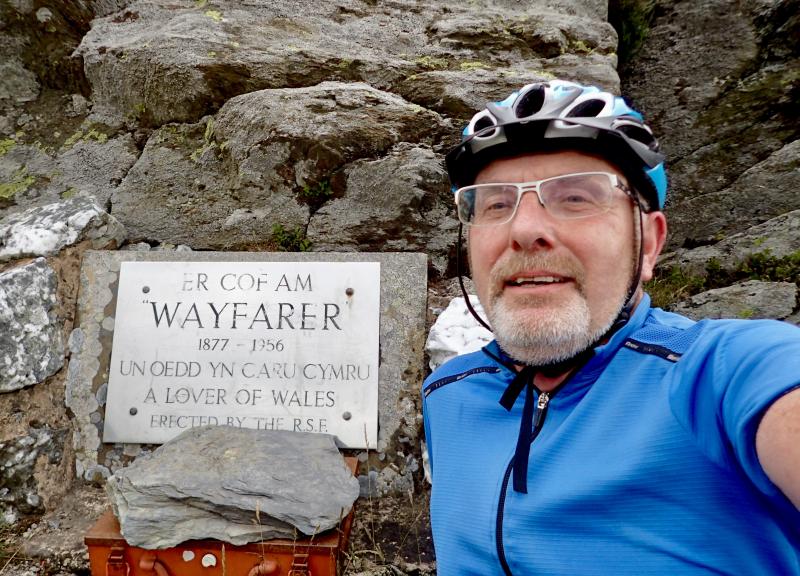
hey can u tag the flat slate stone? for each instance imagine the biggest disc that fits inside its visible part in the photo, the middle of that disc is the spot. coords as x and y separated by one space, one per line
254 485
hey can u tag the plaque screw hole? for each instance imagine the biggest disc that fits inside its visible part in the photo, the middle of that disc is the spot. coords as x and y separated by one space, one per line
133 411
145 289
347 415
349 291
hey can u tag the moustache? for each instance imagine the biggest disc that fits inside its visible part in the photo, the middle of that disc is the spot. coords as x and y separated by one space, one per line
511 264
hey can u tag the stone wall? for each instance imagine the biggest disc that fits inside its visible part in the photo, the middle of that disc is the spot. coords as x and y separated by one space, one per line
290 125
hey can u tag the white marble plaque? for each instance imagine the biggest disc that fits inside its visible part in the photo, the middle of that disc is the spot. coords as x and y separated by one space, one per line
265 345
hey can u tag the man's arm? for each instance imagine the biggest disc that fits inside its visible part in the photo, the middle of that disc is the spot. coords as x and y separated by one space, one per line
778 444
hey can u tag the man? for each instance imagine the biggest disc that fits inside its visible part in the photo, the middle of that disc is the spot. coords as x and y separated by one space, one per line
597 435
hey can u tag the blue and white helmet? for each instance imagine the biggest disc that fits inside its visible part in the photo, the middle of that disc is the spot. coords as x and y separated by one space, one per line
561 115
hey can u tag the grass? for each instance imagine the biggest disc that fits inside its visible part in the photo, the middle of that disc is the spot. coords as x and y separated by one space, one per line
290 240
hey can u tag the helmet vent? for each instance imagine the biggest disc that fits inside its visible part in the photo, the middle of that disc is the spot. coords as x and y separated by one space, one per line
587 109
639 134
530 102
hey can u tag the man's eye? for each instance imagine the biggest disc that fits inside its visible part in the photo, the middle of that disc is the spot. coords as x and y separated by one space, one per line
576 198
497 205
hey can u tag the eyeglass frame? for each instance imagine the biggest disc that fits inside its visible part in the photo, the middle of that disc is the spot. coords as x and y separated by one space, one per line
535 186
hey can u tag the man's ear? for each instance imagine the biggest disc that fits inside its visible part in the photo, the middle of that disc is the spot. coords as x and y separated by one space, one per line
654 234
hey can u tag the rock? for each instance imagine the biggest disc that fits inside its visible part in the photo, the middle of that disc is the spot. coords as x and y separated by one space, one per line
766 190
77 106
256 485
461 92
456 332
752 299
779 236
31 345
160 62
543 32
44 231
265 158
19 494
400 203
716 83
17 83
203 202
89 164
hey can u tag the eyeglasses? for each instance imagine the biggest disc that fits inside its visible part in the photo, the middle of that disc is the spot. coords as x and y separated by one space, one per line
564 197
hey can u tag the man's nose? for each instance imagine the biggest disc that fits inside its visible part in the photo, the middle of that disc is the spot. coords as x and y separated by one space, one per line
532 227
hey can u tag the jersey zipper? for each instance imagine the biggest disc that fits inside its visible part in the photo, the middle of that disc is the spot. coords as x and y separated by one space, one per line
538 421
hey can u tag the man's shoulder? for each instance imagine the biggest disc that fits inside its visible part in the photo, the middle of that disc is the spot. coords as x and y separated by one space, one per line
681 334
462 364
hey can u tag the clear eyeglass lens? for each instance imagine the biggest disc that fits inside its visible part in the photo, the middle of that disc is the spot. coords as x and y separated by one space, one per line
490 204
567 197
577 195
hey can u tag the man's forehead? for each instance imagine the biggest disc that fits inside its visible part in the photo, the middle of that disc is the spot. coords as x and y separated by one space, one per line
539 165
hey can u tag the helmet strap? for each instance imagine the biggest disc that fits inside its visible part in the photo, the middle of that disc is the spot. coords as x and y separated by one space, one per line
460 273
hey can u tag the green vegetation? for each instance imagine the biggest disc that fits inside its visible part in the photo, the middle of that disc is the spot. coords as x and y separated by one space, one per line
764 266
343 64
200 3
318 193
208 141
20 182
580 47
469 66
631 19
672 285
92 134
431 62
215 15
69 193
6 146
290 240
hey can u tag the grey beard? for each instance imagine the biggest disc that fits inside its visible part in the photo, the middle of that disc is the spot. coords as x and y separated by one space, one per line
557 337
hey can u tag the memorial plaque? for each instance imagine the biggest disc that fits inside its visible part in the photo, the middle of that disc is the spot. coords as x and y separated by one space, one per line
265 345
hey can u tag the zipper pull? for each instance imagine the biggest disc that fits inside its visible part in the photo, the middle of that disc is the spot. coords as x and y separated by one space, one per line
541 406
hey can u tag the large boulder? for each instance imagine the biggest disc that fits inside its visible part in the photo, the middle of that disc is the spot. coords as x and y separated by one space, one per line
266 160
157 62
717 81
401 202
763 191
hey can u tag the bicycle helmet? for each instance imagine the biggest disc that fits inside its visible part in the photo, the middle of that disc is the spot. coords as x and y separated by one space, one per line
559 115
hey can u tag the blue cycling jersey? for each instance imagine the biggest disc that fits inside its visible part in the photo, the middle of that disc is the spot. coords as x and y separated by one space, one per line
643 463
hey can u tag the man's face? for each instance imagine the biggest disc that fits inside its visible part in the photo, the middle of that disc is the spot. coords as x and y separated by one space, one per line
551 287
